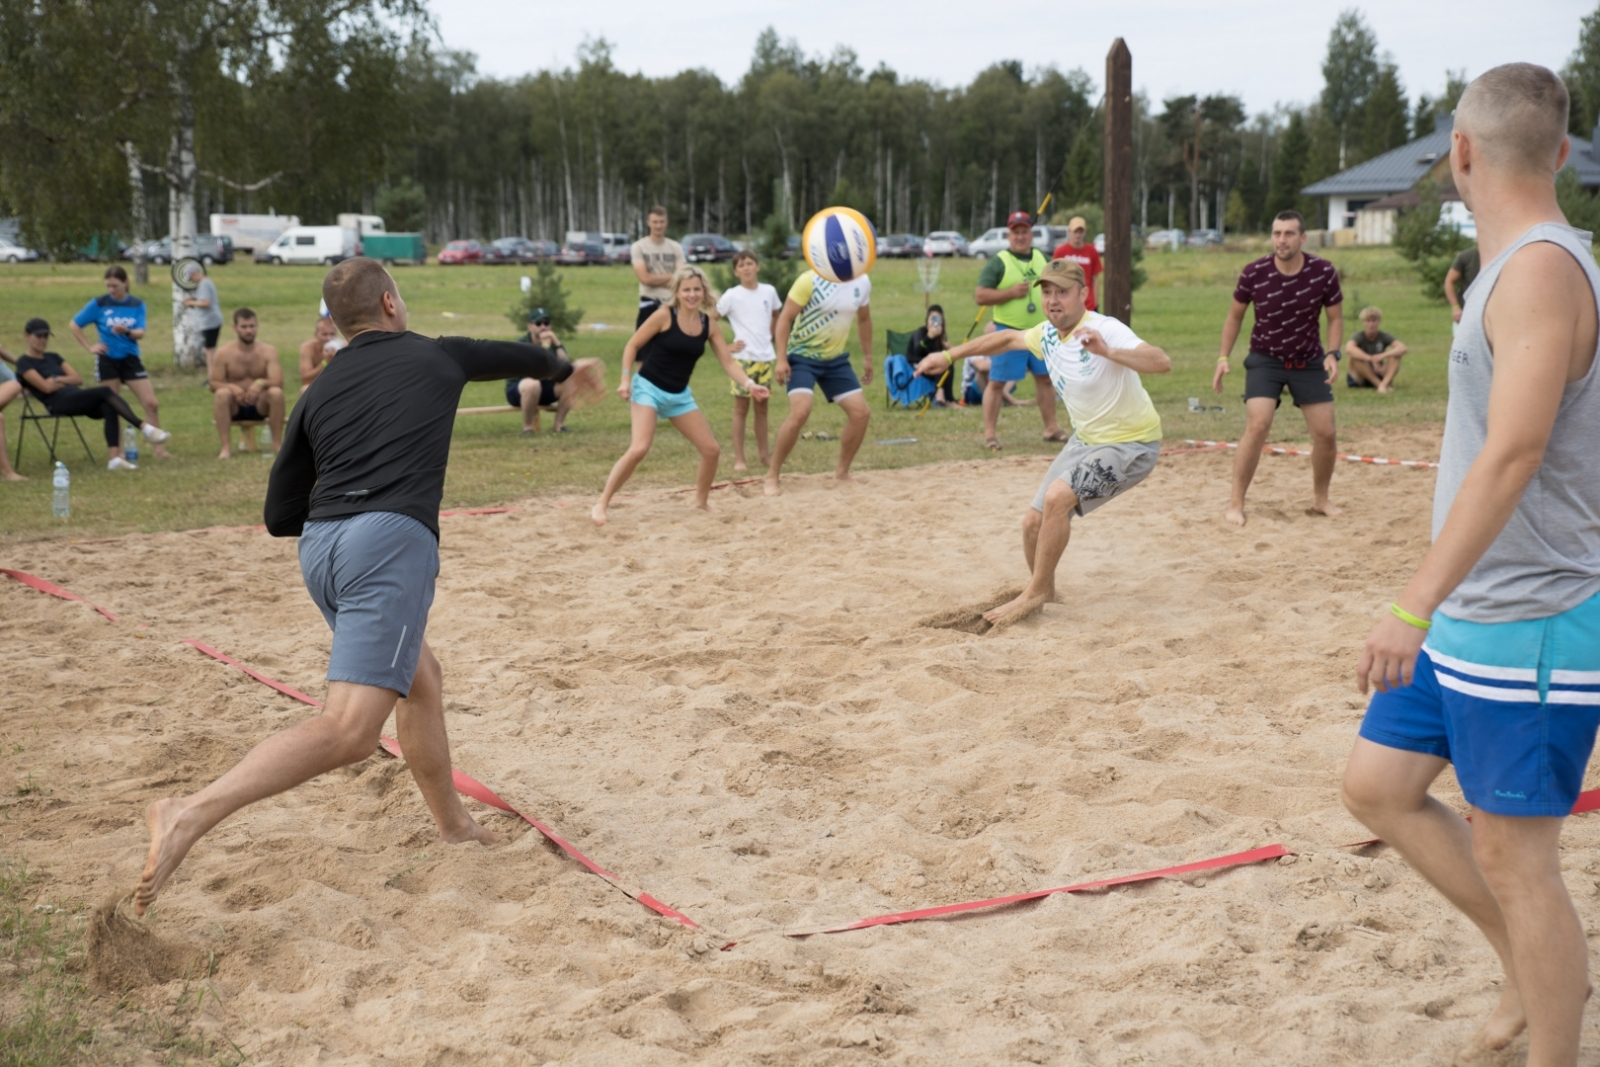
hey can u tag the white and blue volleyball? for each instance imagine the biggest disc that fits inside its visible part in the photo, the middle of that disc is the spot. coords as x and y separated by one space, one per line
839 244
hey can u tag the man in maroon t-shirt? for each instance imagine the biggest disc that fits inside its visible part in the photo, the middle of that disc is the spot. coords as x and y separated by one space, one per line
1080 251
1290 290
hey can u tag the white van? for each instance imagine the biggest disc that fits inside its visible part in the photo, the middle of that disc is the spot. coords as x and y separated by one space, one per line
314 244
362 224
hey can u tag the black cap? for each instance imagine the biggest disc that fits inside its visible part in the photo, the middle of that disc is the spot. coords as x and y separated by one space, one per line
37 326
538 315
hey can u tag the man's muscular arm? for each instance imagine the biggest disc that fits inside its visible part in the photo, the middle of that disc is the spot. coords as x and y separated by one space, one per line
1536 355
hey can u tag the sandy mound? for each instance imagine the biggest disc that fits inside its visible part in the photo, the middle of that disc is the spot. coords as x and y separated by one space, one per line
124 954
741 713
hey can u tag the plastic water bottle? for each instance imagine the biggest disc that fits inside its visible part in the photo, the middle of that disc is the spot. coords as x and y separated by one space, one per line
130 443
61 503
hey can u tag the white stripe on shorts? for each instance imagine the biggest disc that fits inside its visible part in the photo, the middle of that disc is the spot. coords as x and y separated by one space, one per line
1489 692
398 647
1483 670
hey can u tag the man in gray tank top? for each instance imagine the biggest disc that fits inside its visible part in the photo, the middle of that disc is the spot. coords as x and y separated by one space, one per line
1489 659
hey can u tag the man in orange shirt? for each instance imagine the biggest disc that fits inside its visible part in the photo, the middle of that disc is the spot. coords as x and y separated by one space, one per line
1081 251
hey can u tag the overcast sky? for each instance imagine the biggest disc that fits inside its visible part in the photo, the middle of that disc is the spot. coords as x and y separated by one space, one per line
1265 51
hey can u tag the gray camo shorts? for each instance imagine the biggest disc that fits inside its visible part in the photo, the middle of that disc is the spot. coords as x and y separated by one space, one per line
1096 473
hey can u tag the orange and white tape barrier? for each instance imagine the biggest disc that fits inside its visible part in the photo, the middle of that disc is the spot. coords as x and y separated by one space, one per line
1278 450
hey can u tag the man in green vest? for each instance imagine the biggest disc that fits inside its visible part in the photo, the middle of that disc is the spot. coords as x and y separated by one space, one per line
1006 284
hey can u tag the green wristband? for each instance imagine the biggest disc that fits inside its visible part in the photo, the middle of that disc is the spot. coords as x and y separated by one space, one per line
1409 619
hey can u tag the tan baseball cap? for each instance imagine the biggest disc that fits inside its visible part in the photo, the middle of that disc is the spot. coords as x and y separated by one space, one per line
1077 222
1062 272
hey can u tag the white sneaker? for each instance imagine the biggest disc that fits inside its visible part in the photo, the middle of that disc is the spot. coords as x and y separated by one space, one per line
154 434
119 464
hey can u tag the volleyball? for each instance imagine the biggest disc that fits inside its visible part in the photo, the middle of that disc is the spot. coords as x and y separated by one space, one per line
839 244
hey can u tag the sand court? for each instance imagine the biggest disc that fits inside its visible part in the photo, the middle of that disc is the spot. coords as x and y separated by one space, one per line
741 714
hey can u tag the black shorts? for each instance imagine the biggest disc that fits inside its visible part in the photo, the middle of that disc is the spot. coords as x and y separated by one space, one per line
547 393
126 369
248 413
209 337
647 307
1266 376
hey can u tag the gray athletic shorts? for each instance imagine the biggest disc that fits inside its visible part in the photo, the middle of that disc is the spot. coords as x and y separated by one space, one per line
1096 473
372 576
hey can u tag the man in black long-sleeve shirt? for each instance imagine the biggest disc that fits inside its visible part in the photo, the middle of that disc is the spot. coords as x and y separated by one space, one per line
359 480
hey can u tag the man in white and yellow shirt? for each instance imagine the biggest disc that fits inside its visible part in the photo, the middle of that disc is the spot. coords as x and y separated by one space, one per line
812 341
1094 363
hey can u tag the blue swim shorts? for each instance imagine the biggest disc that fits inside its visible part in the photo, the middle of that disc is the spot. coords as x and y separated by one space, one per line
372 575
836 376
1513 705
667 405
1015 366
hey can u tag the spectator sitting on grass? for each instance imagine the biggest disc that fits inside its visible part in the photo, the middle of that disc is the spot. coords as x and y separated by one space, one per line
10 389
318 352
925 352
533 395
1374 355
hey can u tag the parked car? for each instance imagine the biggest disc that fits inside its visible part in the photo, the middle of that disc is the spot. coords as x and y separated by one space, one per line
1201 238
619 247
990 243
945 243
1049 238
509 250
582 254
314 244
208 249
461 252
12 252
1166 239
707 248
899 246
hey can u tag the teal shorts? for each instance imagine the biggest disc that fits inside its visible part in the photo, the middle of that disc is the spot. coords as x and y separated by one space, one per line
1513 705
1015 366
667 405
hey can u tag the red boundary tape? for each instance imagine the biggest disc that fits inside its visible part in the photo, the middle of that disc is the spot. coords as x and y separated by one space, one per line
1279 451
470 786
1237 859
35 582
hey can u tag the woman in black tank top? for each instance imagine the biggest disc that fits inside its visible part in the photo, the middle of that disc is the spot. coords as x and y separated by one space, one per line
667 345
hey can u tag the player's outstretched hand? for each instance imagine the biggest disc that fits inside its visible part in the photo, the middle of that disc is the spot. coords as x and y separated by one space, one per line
589 380
1093 343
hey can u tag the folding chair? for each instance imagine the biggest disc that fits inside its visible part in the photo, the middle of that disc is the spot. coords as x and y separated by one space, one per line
36 416
895 343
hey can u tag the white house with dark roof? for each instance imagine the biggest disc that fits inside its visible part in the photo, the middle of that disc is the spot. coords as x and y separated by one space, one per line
1366 197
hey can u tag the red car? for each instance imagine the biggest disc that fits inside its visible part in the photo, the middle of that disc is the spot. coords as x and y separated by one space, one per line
461 252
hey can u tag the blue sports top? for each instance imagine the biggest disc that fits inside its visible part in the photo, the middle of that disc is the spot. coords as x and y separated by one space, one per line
105 313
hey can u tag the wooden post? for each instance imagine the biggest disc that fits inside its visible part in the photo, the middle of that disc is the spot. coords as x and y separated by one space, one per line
1118 302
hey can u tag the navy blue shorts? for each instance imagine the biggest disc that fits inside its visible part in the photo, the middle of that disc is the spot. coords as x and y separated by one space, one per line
1514 706
372 575
836 376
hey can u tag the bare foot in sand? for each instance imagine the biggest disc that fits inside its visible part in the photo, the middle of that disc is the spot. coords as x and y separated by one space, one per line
740 466
1011 611
169 843
705 505
1500 1030
1325 507
770 485
1234 515
598 514
845 477
470 831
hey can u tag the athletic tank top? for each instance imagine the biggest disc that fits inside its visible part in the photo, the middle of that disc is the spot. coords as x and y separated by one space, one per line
669 357
1547 559
1025 312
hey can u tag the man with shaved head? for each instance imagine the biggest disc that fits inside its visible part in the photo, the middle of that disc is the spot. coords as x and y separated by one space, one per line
359 481
1489 658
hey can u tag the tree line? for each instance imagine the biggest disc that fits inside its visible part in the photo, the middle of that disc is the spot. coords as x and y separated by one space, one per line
138 117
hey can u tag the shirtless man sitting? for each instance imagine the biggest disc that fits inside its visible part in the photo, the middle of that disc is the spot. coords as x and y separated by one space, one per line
318 352
248 384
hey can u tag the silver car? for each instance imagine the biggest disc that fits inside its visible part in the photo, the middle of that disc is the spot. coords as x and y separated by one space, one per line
11 252
991 243
945 243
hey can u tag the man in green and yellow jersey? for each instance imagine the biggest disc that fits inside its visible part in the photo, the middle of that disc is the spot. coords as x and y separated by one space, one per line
1006 284
1094 361
812 339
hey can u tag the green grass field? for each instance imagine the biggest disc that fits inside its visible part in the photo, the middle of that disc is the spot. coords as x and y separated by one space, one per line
1180 308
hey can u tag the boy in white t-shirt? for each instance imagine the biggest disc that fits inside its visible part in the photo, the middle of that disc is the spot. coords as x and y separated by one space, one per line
752 307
